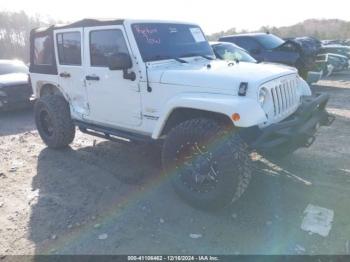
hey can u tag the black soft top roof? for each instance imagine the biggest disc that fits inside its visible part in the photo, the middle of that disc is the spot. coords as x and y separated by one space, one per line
81 23
51 69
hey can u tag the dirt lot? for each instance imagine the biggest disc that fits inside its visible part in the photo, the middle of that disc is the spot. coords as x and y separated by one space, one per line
110 198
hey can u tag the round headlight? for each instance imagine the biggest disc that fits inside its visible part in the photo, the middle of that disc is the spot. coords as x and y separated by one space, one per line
262 95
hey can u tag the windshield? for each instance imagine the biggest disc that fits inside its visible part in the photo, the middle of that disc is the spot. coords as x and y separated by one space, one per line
9 68
231 52
157 41
269 41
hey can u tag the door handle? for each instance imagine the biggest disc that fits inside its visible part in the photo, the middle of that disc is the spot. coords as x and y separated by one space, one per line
65 74
94 78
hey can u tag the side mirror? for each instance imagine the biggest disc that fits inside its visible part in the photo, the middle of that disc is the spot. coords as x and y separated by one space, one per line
119 61
123 62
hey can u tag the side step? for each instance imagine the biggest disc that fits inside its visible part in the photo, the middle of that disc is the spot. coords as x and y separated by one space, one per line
111 133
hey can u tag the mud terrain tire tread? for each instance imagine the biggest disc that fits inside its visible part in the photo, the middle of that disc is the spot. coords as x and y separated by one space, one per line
234 155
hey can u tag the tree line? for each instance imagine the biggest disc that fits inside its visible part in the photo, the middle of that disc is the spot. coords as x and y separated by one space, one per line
15 30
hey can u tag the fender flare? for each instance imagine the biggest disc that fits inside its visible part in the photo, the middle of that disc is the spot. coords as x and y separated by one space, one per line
41 84
249 110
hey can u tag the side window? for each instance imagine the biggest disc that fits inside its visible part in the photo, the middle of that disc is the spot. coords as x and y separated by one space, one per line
104 43
250 44
237 41
43 51
69 48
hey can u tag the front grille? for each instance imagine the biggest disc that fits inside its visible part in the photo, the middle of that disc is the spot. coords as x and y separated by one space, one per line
284 96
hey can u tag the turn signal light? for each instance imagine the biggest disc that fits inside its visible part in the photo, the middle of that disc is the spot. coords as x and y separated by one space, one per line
236 117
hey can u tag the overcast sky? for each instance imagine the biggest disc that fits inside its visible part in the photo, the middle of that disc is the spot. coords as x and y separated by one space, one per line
213 16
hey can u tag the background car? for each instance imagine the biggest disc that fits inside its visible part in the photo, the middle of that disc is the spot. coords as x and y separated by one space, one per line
330 63
332 42
336 49
15 89
270 48
229 51
309 46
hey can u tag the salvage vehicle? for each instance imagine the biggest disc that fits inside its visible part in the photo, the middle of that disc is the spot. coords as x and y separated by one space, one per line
15 91
158 82
270 48
330 63
310 46
229 51
336 49
332 42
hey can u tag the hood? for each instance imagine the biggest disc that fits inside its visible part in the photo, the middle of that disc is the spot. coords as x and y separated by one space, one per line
220 74
13 79
304 45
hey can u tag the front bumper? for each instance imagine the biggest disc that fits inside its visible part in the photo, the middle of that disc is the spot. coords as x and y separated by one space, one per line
7 104
296 131
15 97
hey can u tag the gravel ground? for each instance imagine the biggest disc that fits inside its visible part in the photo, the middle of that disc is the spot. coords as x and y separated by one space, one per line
101 197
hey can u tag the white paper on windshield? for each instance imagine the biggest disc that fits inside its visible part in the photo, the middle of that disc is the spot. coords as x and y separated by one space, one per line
197 34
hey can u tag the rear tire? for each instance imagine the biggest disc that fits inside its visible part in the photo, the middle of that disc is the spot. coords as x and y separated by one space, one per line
53 121
210 166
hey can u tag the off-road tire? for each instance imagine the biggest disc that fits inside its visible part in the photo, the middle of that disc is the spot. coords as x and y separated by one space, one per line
62 130
231 154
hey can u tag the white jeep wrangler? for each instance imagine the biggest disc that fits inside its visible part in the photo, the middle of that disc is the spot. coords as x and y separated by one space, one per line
159 81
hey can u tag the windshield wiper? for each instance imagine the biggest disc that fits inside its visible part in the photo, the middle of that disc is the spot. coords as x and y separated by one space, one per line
161 57
194 54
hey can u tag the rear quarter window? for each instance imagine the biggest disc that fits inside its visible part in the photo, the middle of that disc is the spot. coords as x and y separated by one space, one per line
43 52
